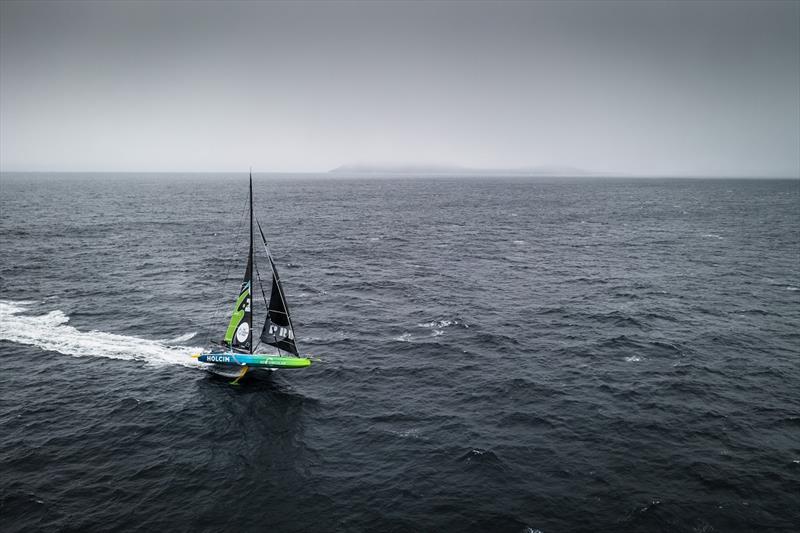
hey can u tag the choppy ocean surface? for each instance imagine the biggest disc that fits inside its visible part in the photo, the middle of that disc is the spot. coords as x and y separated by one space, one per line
493 355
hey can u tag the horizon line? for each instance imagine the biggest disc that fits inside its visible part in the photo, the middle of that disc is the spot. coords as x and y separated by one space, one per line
466 173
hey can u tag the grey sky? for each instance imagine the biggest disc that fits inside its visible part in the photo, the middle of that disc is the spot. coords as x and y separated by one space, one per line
642 88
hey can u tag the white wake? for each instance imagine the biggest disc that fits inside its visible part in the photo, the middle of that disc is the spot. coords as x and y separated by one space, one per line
51 332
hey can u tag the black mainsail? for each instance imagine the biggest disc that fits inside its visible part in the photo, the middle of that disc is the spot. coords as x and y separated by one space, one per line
278 330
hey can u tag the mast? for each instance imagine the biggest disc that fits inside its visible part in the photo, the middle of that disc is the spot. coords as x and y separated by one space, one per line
250 257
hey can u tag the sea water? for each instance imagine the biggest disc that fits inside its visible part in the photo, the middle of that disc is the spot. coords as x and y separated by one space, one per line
490 355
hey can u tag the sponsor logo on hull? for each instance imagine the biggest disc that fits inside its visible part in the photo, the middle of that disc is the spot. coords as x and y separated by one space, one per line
218 358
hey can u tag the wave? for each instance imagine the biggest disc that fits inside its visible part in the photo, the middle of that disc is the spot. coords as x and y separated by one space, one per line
410 337
436 326
479 456
440 324
182 338
525 419
52 333
477 453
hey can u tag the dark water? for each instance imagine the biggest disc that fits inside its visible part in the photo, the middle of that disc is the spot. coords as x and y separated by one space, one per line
495 355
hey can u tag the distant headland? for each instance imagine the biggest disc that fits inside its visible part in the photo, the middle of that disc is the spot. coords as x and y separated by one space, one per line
451 170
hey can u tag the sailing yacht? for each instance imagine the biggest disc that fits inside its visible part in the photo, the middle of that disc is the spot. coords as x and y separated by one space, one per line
237 350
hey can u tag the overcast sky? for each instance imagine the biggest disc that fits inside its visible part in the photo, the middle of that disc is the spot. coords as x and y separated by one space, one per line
683 88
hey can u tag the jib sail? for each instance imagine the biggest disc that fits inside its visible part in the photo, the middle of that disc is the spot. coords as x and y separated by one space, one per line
278 330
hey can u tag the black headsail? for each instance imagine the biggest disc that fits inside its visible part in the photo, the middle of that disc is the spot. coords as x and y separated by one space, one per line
278 330
239 334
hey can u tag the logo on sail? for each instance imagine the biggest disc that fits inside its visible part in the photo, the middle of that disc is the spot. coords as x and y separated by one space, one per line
243 332
279 331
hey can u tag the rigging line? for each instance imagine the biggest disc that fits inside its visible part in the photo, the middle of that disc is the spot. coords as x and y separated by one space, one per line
277 281
227 272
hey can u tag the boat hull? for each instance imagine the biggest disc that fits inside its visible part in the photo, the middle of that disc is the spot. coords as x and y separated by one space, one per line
253 360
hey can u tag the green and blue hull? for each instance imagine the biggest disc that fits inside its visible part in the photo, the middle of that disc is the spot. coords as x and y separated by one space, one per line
253 360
